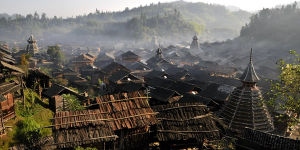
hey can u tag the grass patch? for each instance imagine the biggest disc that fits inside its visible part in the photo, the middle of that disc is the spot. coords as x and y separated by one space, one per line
33 109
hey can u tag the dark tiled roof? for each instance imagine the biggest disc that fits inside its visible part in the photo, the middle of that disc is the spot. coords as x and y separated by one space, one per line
129 54
179 75
269 141
137 66
113 67
175 70
184 87
11 67
212 91
9 87
131 87
162 94
190 98
156 73
57 89
5 50
118 75
159 82
202 85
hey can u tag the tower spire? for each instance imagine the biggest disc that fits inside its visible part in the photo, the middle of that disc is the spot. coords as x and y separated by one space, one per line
249 74
251 55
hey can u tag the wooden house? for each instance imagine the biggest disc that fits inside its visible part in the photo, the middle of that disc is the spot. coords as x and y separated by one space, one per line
184 125
184 87
161 96
218 93
191 98
132 117
81 61
156 74
7 90
131 87
103 60
129 56
179 74
8 70
38 80
138 69
158 62
114 67
6 56
56 102
83 128
137 66
98 77
78 82
160 82
121 77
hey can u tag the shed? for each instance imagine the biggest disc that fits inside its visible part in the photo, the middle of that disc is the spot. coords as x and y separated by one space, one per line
132 117
7 90
86 127
185 125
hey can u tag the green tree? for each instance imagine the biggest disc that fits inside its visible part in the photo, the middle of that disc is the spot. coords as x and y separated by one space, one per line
72 102
56 54
27 132
285 94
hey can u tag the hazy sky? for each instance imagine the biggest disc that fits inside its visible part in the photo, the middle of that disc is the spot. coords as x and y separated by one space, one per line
68 8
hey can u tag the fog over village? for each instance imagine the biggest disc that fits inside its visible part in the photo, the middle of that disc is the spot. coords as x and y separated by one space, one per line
155 76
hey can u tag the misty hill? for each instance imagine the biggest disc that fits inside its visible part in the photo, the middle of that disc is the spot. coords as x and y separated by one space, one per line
174 21
271 33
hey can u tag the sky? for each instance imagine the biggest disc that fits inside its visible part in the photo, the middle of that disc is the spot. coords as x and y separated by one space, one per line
72 8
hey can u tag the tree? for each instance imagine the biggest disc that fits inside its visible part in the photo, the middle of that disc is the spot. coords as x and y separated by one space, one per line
27 132
285 94
56 54
24 62
72 102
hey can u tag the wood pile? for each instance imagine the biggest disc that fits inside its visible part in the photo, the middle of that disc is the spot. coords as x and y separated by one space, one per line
74 128
185 121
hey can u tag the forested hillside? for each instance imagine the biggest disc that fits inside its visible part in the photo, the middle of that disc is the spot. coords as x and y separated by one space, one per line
174 21
271 33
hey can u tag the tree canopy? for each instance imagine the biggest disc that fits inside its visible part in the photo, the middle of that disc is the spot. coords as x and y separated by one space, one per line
285 94
56 54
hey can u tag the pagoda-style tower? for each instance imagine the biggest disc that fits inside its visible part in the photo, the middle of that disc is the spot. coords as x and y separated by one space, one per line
159 53
245 107
195 44
32 47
